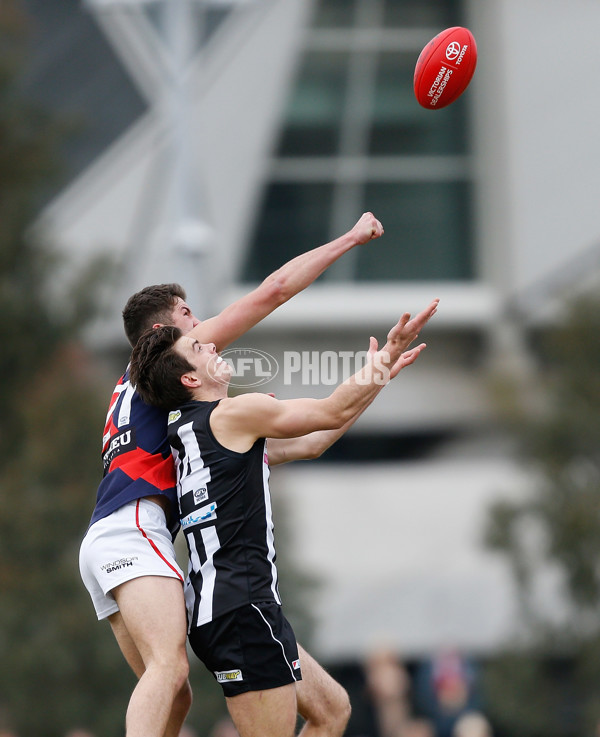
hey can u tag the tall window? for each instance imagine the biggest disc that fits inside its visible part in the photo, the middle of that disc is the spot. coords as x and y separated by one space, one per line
355 139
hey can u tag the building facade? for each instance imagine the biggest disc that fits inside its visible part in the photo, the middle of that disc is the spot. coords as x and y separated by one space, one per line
267 130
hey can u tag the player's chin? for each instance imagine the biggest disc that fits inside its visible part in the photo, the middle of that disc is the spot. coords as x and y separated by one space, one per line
222 372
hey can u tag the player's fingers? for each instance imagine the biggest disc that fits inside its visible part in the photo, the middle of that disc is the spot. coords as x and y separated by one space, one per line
377 229
399 326
406 359
432 308
428 312
412 354
422 318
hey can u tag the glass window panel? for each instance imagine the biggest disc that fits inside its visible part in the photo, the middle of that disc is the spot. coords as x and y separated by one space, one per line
334 13
400 125
404 13
294 219
428 224
427 233
314 113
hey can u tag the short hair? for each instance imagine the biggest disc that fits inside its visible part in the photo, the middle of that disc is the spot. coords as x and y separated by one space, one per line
148 306
156 368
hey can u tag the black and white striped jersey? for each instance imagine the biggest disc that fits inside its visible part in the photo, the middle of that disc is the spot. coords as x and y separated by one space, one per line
225 509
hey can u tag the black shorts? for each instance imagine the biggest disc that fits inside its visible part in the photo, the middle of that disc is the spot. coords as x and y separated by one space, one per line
249 649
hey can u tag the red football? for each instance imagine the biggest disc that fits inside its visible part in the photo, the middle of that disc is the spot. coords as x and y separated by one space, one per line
445 67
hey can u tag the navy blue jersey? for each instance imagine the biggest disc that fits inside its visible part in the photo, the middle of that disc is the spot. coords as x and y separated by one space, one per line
225 509
136 454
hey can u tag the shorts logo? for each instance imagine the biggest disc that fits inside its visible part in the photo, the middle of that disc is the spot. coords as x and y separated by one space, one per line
119 564
173 416
225 676
200 495
296 664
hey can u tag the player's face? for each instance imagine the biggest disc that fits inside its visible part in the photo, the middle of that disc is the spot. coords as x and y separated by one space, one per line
204 358
182 317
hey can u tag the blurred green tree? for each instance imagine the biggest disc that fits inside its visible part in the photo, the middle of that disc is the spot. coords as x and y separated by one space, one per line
548 683
59 667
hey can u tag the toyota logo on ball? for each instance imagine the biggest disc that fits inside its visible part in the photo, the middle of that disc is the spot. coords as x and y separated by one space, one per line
452 51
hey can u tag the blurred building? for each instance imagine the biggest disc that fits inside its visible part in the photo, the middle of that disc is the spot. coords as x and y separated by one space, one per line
219 139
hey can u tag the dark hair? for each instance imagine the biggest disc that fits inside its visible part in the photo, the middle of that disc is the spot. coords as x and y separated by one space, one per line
156 368
148 306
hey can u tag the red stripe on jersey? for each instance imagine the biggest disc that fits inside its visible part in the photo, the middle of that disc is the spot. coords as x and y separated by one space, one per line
110 426
152 543
150 467
115 396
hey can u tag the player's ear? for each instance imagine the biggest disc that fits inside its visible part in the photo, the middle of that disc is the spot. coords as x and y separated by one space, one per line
190 380
158 325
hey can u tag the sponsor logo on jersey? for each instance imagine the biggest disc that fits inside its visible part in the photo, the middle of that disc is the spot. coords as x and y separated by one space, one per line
224 676
173 416
204 514
122 442
117 565
296 664
200 495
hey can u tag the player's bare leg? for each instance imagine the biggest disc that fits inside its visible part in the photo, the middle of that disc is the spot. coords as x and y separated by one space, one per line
183 700
180 710
151 630
268 713
322 701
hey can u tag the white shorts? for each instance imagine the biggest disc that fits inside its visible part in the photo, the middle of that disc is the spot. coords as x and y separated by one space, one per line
133 541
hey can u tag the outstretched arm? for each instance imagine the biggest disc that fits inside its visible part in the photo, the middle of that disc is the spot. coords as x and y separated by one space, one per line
282 285
312 445
307 447
238 421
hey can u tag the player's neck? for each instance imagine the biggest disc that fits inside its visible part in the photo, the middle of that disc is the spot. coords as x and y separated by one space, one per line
210 393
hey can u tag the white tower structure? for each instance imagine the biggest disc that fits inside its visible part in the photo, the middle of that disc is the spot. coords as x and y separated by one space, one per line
171 198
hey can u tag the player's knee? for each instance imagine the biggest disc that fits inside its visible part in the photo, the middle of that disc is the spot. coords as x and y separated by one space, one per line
182 671
342 709
183 699
334 713
175 667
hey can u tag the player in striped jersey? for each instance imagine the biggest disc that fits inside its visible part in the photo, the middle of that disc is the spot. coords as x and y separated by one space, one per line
236 625
127 558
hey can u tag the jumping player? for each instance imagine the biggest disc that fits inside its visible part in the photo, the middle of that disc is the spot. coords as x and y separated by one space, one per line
236 624
127 559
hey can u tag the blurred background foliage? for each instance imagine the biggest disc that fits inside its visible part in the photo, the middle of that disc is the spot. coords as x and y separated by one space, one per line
547 682
60 667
